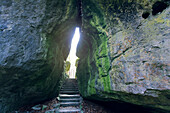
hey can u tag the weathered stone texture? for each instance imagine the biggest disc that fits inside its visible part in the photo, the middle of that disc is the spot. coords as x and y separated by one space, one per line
124 50
33 46
127 55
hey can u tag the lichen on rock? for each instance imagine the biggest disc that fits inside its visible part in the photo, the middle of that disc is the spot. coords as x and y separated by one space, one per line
127 55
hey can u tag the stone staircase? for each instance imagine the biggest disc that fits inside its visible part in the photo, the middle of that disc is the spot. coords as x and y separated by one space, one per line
69 97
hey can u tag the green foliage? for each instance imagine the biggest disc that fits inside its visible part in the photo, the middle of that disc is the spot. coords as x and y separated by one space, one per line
77 62
93 71
68 64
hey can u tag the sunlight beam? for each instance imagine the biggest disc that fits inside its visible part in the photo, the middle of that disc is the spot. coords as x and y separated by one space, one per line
72 55
75 41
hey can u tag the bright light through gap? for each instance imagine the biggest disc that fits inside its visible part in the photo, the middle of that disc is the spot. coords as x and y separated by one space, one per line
72 55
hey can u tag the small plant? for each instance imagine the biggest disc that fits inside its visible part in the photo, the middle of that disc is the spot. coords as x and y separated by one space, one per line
77 61
68 64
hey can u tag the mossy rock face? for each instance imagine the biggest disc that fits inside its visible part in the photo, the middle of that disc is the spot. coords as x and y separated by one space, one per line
67 65
35 38
124 55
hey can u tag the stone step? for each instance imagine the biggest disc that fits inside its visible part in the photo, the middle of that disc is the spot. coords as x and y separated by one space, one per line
69 110
68 80
66 104
69 86
69 96
72 86
70 100
69 92
71 82
68 89
71 79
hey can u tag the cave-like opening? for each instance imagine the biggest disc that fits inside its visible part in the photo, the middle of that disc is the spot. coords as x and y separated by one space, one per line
72 59
158 7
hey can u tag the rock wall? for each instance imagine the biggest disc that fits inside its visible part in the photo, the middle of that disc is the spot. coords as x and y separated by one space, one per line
124 51
34 41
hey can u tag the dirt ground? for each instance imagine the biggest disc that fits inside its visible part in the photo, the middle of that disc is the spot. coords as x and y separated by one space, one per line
87 107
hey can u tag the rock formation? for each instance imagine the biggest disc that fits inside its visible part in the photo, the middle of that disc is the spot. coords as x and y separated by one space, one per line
123 51
124 54
35 38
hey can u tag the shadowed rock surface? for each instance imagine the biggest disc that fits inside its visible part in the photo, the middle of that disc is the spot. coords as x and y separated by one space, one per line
34 41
